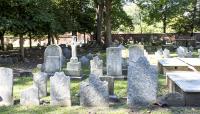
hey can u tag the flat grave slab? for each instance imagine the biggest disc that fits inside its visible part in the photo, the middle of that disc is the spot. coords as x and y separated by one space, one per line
171 64
186 83
195 62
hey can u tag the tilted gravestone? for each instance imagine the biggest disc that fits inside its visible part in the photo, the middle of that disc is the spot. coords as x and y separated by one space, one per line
6 86
94 92
53 59
30 96
142 83
60 89
114 62
96 66
40 80
135 52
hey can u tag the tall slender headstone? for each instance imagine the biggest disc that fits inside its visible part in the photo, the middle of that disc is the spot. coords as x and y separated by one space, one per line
142 83
114 62
60 89
6 86
53 59
74 66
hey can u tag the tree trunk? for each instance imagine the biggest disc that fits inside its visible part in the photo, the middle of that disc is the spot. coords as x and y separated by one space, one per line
164 23
53 41
2 39
193 17
108 36
84 38
21 43
99 12
49 38
30 40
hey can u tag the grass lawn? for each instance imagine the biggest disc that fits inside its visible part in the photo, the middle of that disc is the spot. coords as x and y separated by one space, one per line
21 83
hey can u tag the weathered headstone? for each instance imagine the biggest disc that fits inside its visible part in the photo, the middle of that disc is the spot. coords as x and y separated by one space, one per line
30 96
181 51
110 81
142 83
53 59
114 61
84 61
189 54
191 48
94 92
135 52
40 80
66 52
96 66
166 53
60 89
74 66
89 56
6 86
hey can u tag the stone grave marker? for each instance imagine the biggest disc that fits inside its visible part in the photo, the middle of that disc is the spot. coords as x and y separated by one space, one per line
40 80
30 96
166 53
142 83
181 51
60 89
96 66
114 62
53 59
94 92
74 66
135 52
6 86
84 61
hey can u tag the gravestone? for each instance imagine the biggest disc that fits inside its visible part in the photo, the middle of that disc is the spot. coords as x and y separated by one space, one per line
189 54
53 59
74 66
181 51
60 89
191 48
135 52
114 62
166 53
84 61
40 80
89 56
66 52
6 86
94 92
110 81
30 96
142 83
159 53
96 66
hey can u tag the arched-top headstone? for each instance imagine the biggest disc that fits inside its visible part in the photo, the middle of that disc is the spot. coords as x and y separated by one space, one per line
53 59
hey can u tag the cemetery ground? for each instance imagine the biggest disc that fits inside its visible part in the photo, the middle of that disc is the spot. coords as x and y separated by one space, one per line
20 83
